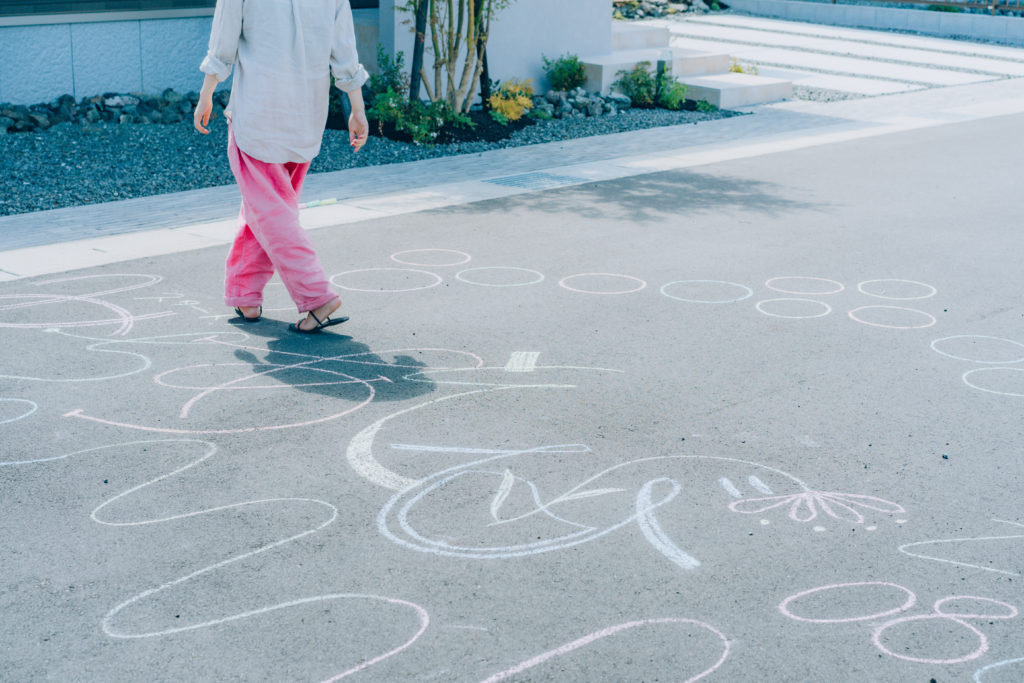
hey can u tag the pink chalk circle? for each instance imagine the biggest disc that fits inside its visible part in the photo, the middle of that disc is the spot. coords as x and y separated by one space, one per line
516 277
876 638
940 608
439 262
597 277
893 317
980 348
707 291
999 381
897 290
32 407
805 285
387 280
793 309
907 604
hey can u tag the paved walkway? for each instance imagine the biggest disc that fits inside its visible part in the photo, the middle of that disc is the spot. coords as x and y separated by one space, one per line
747 408
65 239
854 61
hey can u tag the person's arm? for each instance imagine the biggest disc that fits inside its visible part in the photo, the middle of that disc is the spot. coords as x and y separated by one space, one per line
358 126
201 117
349 74
220 56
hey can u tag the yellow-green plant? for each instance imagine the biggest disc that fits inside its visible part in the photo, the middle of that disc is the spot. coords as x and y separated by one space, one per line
738 68
513 99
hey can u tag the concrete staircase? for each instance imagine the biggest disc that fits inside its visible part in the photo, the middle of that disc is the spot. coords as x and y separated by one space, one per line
706 74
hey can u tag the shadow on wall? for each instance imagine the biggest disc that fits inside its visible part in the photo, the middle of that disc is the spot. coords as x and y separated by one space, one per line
653 197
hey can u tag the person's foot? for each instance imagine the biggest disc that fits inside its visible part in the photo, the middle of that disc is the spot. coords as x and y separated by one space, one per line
249 312
322 313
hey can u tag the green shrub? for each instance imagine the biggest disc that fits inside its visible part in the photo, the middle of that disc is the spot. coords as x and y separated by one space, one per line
944 8
638 85
646 89
421 121
391 74
705 106
565 73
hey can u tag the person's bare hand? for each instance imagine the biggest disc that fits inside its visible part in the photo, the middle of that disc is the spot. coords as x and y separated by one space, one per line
201 118
358 130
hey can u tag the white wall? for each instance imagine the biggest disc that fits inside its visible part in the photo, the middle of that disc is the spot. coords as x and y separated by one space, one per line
521 34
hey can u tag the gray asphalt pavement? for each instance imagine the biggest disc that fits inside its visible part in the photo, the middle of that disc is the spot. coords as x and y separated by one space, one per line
758 420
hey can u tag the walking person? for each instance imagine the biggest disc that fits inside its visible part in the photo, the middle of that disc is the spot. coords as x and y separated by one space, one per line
283 53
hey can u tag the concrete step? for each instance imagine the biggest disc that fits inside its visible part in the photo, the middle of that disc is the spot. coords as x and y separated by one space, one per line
730 90
631 36
603 70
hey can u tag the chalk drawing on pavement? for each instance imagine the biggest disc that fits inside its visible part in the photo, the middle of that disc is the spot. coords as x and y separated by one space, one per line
793 308
999 381
721 643
893 317
897 290
386 280
706 291
500 276
983 545
980 348
26 405
100 515
570 525
805 285
825 600
123 321
433 258
603 283
979 675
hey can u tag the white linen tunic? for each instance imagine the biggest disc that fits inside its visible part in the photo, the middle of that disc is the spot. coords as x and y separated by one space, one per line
284 53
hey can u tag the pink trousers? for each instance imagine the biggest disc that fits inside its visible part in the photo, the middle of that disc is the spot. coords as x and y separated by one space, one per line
269 236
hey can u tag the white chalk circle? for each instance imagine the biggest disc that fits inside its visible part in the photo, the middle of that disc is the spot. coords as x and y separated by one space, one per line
793 309
460 257
782 284
498 272
833 602
1000 381
893 317
386 280
990 351
32 407
597 277
897 290
706 291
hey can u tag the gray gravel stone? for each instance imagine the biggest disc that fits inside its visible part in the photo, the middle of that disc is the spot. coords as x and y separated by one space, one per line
71 165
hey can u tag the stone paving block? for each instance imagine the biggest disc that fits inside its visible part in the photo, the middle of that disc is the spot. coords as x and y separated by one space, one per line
731 90
633 36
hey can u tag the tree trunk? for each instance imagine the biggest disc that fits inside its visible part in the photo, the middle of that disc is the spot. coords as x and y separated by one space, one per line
422 7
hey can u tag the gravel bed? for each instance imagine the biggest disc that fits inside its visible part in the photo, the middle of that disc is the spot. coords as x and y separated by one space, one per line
71 166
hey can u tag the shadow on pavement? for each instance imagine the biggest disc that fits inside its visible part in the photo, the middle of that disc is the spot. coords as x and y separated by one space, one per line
654 197
333 365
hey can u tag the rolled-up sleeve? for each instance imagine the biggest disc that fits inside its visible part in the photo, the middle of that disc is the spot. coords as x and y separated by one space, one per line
224 36
349 74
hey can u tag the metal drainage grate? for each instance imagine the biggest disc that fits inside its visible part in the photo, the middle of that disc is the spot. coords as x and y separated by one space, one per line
537 181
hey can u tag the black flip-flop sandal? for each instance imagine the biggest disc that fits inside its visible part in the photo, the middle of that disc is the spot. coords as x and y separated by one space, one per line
320 324
249 320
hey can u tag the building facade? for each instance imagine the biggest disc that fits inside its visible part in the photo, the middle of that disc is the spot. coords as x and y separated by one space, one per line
49 48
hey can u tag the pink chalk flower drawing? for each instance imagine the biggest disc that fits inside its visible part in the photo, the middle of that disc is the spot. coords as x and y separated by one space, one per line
804 506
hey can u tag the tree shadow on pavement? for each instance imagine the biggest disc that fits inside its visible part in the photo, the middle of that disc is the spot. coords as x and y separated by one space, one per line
333 365
655 197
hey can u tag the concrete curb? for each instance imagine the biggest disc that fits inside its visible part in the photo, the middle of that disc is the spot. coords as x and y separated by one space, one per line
1009 30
